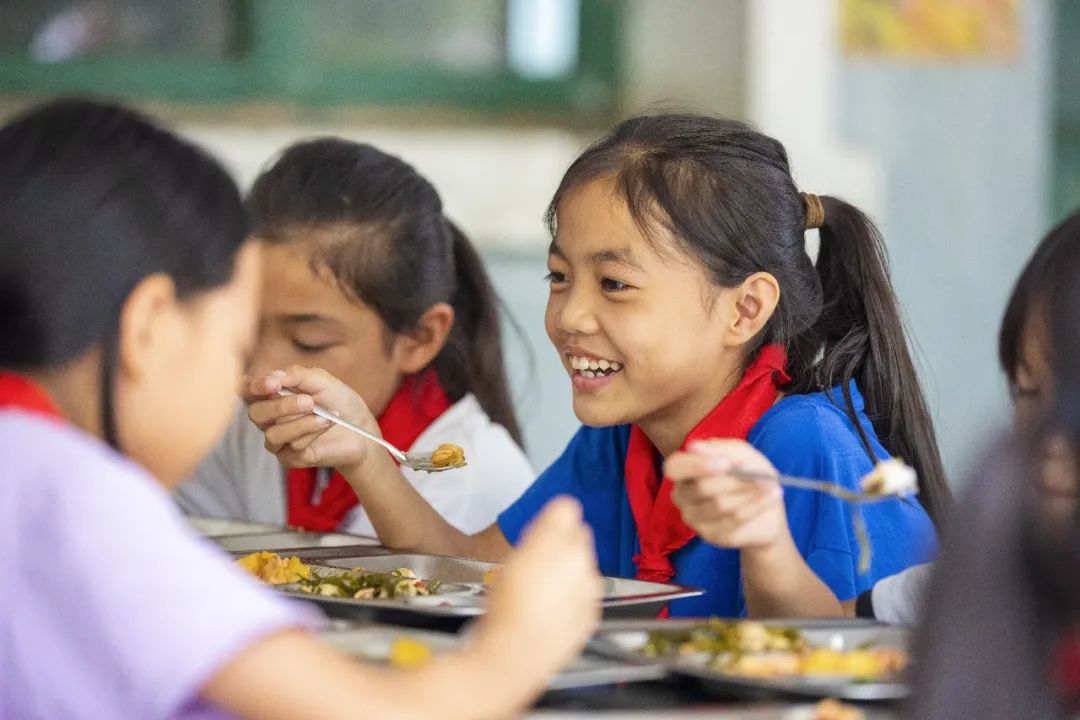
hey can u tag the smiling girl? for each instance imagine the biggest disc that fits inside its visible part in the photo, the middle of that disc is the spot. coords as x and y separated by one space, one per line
684 306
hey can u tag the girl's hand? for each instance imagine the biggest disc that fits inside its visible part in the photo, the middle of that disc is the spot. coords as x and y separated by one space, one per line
546 599
300 438
725 510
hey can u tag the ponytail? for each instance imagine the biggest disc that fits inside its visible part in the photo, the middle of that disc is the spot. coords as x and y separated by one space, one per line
860 336
472 360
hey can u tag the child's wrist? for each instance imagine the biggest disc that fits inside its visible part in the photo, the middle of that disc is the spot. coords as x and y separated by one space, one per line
489 654
363 467
768 559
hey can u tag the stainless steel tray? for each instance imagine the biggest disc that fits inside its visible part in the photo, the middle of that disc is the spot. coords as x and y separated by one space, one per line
622 598
217 527
372 642
282 541
623 640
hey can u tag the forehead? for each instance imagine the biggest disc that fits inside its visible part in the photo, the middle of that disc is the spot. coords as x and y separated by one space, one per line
297 291
594 225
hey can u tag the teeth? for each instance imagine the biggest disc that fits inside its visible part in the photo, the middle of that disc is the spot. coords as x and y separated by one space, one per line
593 368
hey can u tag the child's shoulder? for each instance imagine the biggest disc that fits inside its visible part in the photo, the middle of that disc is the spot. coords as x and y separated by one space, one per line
52 446
811 413
813 426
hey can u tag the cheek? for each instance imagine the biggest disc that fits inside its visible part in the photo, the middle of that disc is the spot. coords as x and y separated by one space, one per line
550 313
365 368
222 370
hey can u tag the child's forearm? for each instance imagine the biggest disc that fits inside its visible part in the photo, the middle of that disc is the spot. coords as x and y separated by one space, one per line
777 582
404 520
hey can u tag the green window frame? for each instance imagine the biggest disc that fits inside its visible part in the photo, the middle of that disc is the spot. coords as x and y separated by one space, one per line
272 63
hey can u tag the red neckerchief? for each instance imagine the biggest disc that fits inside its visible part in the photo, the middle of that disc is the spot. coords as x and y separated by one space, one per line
661 530
417 403
1065 667
21 393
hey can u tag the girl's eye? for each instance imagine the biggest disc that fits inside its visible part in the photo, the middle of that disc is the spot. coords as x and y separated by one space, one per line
311 349
610 285
555 278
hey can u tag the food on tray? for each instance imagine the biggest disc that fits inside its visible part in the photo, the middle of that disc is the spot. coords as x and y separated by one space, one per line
361 584
408 653
830 709
753 649
275 569
448 456
718 637
860 663
357 583
891 477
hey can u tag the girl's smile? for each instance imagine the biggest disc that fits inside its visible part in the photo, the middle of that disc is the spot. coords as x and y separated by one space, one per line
589 372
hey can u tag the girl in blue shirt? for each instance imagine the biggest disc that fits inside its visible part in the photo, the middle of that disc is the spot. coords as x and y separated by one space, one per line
684 306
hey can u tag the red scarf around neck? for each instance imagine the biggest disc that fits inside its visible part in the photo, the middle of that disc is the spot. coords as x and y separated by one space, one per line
418 402
661 530
18 392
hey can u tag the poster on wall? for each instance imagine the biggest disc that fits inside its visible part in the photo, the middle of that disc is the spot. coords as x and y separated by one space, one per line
931 29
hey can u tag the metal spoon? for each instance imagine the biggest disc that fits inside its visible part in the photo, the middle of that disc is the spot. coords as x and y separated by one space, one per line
821 486
416 460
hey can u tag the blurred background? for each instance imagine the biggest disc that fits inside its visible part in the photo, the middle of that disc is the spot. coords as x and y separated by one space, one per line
955 123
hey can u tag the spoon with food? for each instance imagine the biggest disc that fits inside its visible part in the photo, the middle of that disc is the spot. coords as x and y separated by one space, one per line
889 479
445 457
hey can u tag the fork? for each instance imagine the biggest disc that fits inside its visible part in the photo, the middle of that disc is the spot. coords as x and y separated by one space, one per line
416 460
822 486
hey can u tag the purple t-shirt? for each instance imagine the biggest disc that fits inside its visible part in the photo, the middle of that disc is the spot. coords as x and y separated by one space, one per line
110 606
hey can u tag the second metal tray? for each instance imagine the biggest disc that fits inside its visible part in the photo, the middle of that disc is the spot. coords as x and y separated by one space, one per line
373 642
623 640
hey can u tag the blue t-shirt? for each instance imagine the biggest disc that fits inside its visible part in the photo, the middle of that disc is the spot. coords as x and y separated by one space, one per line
805 435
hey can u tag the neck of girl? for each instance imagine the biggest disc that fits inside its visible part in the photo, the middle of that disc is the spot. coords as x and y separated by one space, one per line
73 389
668 428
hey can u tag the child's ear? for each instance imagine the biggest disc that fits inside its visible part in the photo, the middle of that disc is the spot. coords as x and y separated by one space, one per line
416 349
147 323
752 304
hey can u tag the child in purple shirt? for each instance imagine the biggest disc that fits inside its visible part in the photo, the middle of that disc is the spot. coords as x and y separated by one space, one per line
127 306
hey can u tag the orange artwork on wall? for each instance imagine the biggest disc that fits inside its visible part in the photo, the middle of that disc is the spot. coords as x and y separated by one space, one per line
931 29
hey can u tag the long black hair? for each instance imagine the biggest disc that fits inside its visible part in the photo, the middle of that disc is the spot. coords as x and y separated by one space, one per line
726 192
1029 301
1007 586
394 250
94 198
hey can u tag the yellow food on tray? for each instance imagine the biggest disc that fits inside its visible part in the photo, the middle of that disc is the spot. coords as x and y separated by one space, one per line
869 663
490 576
830 709
409 653
448 456
274 569
753 649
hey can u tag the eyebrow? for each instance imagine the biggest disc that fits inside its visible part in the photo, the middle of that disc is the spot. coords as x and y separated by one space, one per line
616 256
301 318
